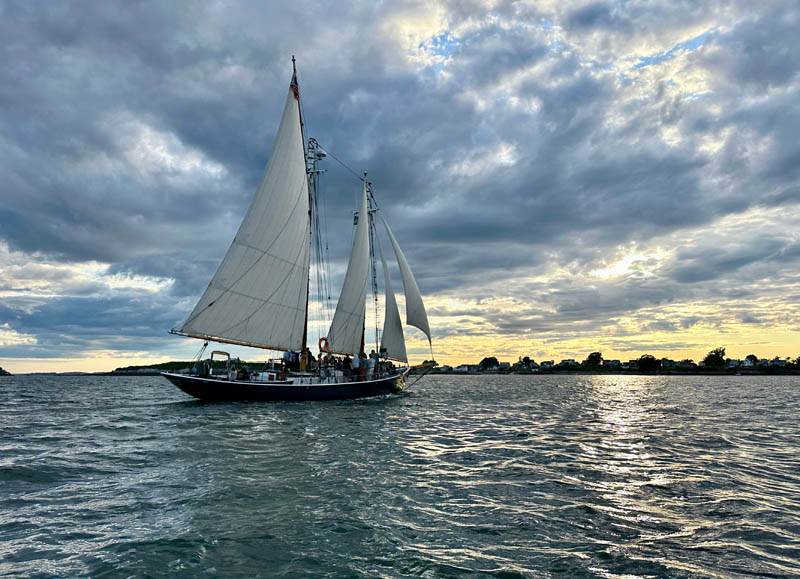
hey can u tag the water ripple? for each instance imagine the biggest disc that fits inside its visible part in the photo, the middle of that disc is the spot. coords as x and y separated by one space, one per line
467 476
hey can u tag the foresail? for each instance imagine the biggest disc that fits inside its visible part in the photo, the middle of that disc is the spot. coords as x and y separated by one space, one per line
258 294
415 309
392 340
347 327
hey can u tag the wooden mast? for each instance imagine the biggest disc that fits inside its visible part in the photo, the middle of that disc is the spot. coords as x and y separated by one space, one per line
303 347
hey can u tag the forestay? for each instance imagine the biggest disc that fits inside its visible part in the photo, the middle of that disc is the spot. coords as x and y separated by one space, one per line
258 295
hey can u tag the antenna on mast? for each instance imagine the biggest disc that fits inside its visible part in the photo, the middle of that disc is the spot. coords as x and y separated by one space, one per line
294 68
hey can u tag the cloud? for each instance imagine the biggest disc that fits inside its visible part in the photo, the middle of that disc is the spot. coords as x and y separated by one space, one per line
660 326
597 170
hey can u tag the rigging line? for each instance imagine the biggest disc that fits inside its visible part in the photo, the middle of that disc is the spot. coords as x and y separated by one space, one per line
327 253
325 202
202 350
319 293
322 274
375 201
322 293
355 174
343 164
420 377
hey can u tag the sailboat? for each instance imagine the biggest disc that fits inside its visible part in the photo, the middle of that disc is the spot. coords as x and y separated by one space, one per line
259 295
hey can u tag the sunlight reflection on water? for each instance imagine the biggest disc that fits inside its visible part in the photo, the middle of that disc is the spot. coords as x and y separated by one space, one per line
496 475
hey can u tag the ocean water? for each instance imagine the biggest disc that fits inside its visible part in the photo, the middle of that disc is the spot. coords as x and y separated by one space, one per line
473 476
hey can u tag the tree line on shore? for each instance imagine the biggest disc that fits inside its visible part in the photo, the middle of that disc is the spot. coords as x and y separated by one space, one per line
714 361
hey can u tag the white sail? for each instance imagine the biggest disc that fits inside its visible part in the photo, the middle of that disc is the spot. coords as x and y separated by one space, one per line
392 339
258 295
347 326
415 309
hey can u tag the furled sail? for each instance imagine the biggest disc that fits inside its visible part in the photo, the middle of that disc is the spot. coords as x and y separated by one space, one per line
415 309
347 326
392 340
258 295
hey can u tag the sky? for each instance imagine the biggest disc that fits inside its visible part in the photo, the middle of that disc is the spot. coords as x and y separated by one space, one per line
564 176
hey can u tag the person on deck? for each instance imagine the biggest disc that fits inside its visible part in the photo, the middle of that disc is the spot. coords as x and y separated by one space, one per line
291 360
371 363
355 365
362 367
321 366
310 361
347 365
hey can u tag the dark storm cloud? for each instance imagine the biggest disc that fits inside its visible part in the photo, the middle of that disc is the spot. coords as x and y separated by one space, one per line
135 134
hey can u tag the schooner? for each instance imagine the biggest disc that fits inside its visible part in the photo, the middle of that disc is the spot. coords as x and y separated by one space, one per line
259 295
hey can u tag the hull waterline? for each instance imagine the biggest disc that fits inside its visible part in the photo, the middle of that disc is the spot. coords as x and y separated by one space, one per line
213 390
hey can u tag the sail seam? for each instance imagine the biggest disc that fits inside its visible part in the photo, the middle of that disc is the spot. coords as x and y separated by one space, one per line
293 264
264 302
229 287
267 250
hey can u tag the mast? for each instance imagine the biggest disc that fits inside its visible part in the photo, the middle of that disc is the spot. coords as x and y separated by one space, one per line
296 89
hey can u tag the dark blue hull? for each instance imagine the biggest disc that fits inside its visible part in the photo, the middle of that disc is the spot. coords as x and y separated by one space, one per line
214 390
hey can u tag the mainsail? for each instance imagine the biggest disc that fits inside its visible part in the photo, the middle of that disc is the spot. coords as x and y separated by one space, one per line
258 295
415 309
347 326
392 339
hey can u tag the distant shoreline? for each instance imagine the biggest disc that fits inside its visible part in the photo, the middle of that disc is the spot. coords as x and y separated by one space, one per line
786 372
771 372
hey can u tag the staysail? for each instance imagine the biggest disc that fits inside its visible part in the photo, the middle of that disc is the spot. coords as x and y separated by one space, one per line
258 295
415 309
392 339
347 327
